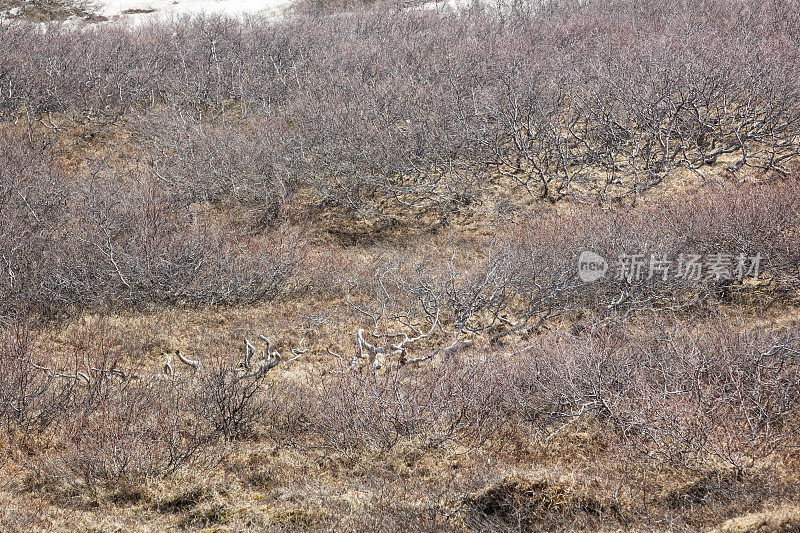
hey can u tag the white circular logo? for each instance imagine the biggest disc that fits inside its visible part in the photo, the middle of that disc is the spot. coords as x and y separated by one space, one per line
591 266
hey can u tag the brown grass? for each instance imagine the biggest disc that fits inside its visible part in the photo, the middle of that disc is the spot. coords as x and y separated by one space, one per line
477 441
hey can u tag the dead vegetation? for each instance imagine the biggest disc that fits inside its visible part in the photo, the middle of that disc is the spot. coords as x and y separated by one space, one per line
321 273
778 521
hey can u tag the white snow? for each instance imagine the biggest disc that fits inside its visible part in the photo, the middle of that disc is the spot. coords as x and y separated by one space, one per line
138 10
165 8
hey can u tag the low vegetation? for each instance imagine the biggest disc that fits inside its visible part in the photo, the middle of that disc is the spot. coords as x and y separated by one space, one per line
322 271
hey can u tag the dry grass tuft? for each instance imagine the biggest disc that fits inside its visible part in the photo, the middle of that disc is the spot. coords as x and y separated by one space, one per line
782 520
697 489
531 504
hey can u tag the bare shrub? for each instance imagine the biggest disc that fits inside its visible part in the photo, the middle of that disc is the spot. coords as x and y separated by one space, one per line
454 401
416 309
146 430
728 394
97 424
232 405
415 117
31 399
131 244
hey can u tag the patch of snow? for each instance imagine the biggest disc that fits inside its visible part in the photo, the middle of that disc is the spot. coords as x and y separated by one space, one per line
159 8
138 10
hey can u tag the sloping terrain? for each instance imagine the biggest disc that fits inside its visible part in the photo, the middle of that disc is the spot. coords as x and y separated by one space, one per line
357 268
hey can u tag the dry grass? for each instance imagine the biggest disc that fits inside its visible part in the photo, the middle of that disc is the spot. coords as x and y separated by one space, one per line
415 447
781 520
290 488
578 481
